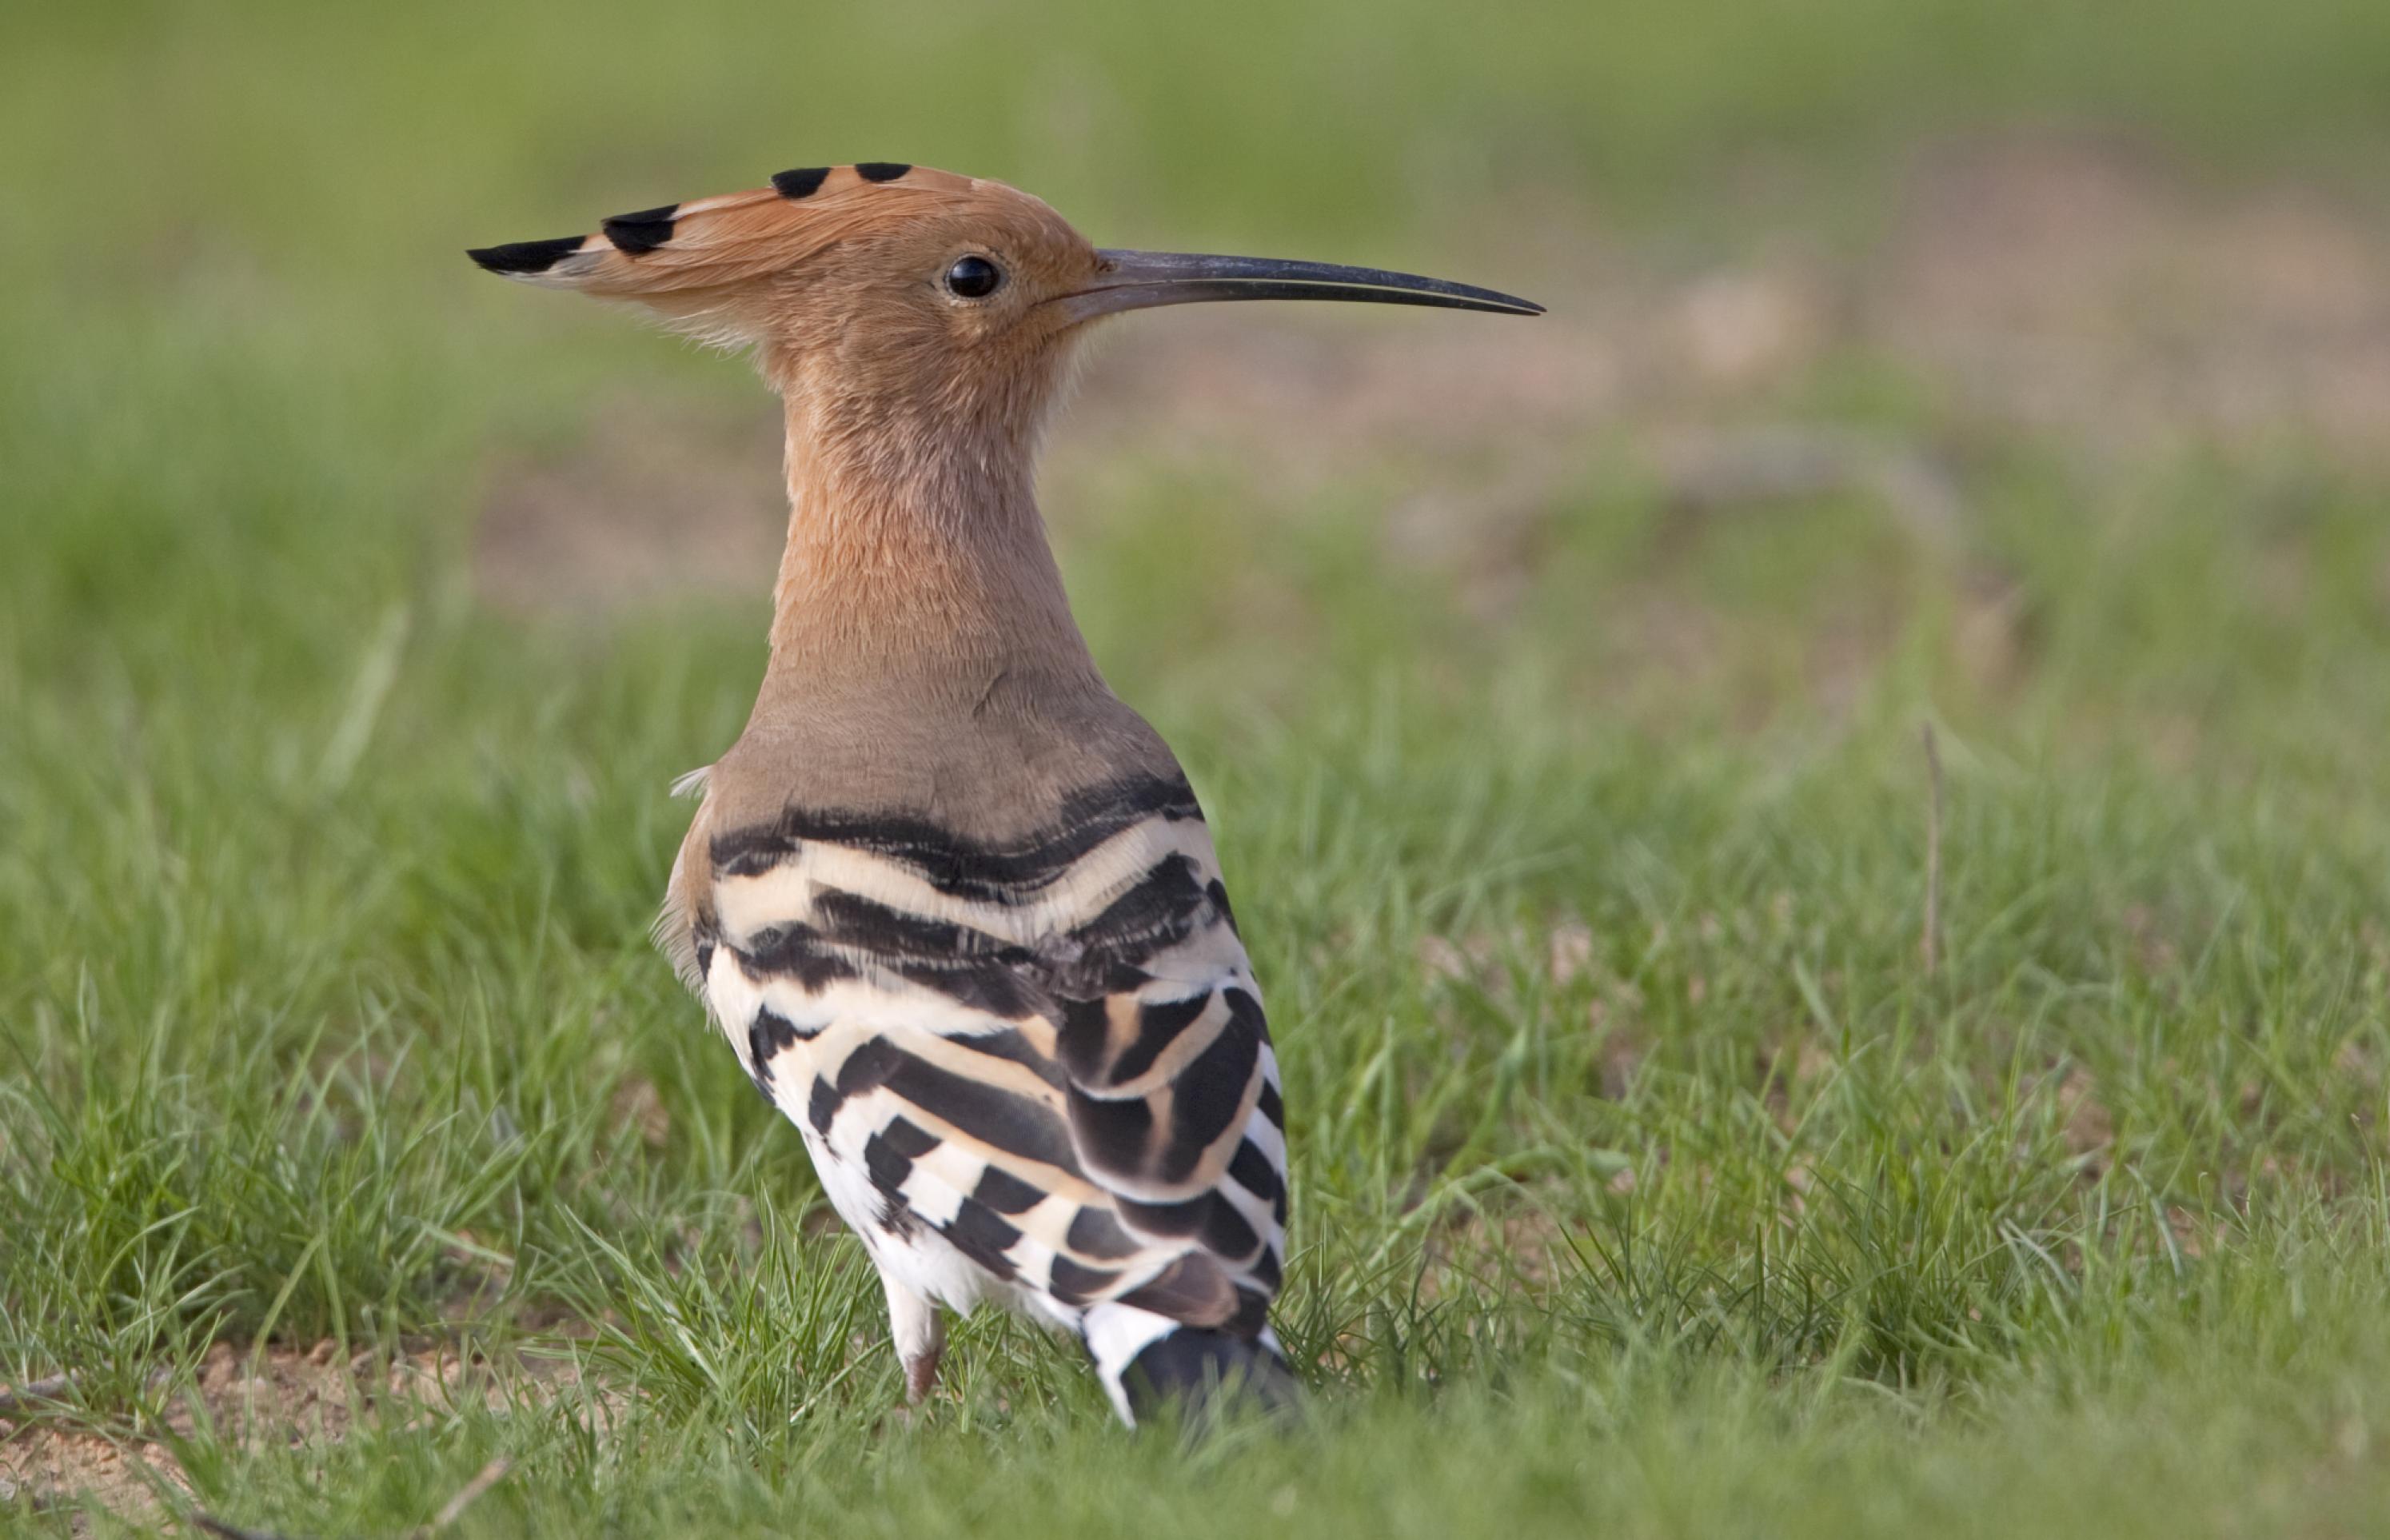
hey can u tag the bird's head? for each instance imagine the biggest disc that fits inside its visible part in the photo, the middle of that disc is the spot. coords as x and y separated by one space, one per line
898 297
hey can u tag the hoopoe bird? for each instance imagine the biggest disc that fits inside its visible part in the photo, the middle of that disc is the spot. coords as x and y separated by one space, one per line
952 903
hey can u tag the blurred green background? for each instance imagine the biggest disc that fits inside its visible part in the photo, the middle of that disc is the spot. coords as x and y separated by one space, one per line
2022 370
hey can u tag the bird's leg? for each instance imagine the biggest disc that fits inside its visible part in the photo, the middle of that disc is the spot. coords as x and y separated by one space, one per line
921 1373
920 1337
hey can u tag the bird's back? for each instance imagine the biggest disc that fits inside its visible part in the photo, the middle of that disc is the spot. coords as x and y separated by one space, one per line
994 978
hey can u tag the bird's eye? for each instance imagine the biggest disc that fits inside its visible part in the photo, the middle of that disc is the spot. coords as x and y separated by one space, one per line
973 277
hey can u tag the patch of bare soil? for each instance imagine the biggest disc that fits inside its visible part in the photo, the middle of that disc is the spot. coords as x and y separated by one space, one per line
51 1453
2075 292
1495 1252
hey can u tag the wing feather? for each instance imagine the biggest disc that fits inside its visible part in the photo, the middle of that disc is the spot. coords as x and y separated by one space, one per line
1051 1052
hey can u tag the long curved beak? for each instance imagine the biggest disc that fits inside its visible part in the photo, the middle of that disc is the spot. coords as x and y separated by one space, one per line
1134 280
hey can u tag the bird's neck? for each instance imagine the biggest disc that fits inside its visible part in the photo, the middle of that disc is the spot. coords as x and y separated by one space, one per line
916 567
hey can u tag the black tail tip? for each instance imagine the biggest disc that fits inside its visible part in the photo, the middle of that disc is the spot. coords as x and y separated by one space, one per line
525 256
1197 1373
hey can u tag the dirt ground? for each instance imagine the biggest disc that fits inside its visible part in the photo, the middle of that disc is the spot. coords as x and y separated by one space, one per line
49 1453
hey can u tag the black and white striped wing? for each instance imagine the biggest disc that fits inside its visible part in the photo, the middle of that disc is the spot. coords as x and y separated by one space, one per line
1049 1053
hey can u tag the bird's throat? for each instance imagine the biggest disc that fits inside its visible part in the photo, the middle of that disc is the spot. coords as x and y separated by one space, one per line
913 567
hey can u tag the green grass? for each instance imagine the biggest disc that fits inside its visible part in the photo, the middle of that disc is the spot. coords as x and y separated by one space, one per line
1645 1180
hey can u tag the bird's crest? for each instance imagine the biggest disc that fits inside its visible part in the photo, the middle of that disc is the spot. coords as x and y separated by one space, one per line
821 249
729 239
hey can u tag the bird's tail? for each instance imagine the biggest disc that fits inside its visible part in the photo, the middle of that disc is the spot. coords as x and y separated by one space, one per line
1147 1362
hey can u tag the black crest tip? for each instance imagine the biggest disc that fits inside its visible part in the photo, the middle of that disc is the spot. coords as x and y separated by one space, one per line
526 256
881 170
642 231
801 183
